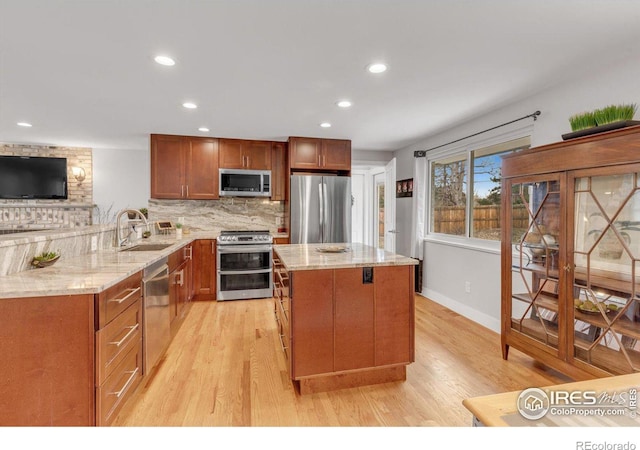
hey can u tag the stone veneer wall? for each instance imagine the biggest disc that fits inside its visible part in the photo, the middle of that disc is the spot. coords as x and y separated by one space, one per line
76 211
229 213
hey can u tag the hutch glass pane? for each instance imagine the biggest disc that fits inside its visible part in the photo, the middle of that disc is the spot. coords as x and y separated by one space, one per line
606 253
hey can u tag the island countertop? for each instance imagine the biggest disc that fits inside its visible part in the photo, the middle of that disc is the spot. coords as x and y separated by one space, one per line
312 257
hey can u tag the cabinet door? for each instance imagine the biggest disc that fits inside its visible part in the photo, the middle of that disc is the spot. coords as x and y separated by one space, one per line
394 317
167 166
257 155
354 320
204 269
201 169
534 307
231 155
311 322
604 298
305 153
278 172
336 154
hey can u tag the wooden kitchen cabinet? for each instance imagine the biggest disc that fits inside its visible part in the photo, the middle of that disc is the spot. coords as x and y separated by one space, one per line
245 154
180 265
279 172
184 167
339 328
570 242
47 373
70 360
320 154
204 269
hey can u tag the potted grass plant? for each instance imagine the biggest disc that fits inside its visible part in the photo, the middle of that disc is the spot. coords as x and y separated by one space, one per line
602 119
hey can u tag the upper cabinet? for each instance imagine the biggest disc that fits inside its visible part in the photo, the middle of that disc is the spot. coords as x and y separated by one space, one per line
319 154
244 154
279 171
184 167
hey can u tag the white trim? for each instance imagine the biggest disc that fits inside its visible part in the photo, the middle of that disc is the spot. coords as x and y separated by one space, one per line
481 245
481 318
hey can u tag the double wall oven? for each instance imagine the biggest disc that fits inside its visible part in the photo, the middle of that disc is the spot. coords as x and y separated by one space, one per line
244 265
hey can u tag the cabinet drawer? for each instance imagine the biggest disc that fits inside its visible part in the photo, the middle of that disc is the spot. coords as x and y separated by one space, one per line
284 338
116 339
118 387
117 298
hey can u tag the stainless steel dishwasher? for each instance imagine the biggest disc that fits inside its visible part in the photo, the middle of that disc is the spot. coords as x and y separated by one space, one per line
156 315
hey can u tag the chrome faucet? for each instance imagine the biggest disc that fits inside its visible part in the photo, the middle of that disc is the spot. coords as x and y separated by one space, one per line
120 241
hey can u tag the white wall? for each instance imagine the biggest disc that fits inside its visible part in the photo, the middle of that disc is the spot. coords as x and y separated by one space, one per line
447 267
121 179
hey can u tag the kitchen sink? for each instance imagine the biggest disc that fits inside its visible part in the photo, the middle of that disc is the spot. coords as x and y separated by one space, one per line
146 248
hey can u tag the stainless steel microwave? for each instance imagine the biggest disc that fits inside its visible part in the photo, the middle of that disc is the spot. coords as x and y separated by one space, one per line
245 183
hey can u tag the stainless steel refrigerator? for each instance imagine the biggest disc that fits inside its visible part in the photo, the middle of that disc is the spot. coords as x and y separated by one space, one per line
320 209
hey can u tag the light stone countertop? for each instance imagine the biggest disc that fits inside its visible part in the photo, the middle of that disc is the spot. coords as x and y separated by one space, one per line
309 257
89 273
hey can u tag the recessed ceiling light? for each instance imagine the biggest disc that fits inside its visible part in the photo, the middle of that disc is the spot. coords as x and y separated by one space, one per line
325 124
190 105
24 124
164 60
344 103
203 129
377 67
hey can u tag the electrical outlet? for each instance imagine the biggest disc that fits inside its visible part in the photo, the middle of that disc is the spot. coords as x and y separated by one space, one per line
467 287
278 220
94 243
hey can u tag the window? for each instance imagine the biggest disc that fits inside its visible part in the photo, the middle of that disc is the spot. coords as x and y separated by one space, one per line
466 202
449 195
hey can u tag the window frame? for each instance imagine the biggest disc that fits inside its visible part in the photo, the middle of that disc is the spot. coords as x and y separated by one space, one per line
467 240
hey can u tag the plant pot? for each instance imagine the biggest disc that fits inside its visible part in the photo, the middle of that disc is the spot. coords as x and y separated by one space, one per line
600 129
178 233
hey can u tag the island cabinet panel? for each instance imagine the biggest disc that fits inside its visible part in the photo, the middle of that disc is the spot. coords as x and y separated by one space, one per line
394 317
312 322
47 372
354 320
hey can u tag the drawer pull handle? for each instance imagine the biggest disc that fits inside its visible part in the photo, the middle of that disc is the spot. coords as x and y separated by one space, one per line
180 281
132 291
126 336
284 349
126 385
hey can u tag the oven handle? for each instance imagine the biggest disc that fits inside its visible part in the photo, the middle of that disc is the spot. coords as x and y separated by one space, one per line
244 248
242 272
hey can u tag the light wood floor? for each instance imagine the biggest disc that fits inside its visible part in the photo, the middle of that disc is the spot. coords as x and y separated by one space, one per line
225 368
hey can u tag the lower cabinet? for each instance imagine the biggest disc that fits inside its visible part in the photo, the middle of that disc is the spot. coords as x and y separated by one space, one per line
70 360
344 326
118 347
204 269
180 284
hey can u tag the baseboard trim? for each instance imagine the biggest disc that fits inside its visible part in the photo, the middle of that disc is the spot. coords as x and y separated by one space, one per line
481 318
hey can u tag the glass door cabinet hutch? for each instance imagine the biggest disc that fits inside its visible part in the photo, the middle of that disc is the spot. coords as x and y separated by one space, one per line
571 254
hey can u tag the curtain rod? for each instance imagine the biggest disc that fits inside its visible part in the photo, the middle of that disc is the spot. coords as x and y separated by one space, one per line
422 153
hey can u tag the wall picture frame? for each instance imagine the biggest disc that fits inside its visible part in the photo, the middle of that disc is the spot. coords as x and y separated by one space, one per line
404 188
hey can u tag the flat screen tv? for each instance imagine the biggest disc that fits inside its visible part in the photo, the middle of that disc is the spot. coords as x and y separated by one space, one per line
25 177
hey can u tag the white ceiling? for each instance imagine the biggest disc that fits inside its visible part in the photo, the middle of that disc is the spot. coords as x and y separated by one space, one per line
82 72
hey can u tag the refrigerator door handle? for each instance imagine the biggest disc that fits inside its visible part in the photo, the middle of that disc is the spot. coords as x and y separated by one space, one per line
321 197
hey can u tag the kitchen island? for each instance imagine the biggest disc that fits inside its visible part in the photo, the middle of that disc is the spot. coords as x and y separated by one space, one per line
345 314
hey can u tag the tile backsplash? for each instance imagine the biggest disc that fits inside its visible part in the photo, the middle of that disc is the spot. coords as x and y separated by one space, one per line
230 213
